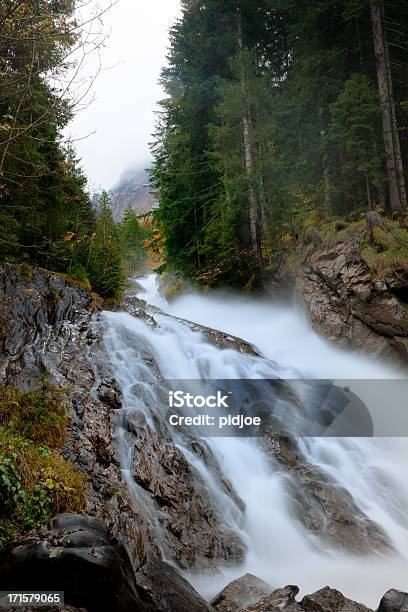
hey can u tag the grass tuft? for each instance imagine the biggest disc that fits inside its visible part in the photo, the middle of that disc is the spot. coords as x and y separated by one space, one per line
385 264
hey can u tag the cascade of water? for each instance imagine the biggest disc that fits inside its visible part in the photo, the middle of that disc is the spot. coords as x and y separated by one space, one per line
373 471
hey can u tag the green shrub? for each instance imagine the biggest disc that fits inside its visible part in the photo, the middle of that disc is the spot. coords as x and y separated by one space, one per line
36 415
79 274
10 484
36 482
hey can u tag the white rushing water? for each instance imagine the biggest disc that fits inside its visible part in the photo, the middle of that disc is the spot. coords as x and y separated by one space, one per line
372 470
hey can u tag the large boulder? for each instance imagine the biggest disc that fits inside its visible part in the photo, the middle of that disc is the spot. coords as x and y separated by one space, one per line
163 589
394 601
75 554
240 593
330 600
281 599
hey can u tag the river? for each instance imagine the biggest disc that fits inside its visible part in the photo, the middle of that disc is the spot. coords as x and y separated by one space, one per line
372 470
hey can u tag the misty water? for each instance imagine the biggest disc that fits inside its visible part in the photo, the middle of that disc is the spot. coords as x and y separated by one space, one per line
280 550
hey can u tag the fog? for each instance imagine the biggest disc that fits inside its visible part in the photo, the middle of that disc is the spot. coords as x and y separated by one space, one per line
113 132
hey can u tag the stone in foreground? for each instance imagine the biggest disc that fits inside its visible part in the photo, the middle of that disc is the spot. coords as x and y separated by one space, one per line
330 600
75 554
281 599
394 601
240 593
163 589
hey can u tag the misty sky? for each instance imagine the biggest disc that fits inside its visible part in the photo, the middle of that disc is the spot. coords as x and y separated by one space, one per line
126 91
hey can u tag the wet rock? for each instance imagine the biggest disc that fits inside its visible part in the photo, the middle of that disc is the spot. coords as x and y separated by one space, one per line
394 601
109 392
330 600
78 555
78 405
323 507
281 599
284 599
221 339
194 529
386 316
46 325
41 308
240 593
349 307
137 308
163 589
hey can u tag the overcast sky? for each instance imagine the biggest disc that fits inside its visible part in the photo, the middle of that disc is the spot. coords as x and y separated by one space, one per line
126 91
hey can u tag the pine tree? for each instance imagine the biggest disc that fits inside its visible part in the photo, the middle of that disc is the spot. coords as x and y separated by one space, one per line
132 235
105 261
276 118
354 129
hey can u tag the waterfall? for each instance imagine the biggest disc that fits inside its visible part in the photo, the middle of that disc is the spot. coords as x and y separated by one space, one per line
279 549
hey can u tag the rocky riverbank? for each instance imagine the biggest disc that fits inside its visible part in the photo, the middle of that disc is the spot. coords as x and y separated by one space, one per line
352 279
251 594
53 327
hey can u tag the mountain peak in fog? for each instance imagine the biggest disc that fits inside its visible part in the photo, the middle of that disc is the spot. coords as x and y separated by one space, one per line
132 190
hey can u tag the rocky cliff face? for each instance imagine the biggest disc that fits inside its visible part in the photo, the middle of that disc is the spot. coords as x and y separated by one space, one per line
133 191
349 304
50 326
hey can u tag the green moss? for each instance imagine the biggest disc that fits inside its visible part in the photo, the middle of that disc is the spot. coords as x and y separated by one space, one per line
386 263
174 289
36 415
53 296
329 230
36 482
172 285
356 229
383 239
369 256
333 229
26 270
313 219
295 258
401 236
78 277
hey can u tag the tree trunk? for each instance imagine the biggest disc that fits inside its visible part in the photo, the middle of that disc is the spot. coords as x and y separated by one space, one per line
249 156
325 162
368 187
395 170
